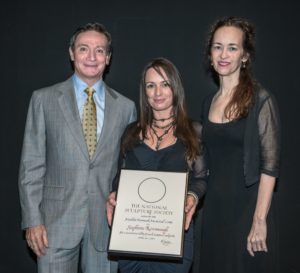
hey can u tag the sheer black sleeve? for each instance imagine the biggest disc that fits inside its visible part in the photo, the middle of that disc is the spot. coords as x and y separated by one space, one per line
198 169
269 135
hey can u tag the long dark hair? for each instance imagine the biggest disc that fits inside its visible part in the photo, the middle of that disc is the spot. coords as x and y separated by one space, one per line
243 96
184 129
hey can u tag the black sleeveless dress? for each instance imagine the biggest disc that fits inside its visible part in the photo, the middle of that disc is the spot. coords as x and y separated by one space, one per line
229 206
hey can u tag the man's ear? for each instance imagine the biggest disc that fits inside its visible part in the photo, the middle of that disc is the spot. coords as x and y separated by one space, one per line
108 59
71 54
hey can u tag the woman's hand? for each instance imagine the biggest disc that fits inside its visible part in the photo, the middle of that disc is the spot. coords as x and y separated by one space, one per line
190 208
110 206
256 240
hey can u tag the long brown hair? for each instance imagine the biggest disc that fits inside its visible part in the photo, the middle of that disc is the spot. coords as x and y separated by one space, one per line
243 96
184 129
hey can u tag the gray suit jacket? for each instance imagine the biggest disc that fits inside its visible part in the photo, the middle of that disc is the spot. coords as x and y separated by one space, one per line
60 187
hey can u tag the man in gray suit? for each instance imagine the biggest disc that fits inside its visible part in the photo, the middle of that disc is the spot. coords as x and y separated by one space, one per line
63 186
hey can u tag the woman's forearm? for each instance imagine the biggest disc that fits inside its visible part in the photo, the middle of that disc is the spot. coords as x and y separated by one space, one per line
264 196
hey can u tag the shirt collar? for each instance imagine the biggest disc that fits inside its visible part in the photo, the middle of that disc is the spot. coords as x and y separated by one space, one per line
80 85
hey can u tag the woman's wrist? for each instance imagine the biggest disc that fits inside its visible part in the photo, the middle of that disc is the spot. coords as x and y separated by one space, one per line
195 196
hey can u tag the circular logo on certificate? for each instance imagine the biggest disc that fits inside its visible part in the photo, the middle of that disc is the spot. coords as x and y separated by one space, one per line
152 190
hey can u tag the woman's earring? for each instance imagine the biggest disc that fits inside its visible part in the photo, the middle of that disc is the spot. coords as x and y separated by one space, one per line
244 65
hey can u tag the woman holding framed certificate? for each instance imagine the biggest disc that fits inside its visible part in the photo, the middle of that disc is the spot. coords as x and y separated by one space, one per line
163 139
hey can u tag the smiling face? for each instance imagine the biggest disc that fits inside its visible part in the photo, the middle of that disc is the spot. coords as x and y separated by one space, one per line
90 56
158 91
227 53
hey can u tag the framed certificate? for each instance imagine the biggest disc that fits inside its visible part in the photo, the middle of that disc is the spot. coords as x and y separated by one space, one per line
149 216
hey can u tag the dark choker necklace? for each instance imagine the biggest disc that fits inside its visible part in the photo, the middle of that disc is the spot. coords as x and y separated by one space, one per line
163 119
165 126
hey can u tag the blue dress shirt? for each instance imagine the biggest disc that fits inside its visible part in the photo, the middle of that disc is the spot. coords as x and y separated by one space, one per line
99 98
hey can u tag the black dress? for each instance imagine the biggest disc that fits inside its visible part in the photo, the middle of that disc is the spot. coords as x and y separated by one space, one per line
229 205
171 158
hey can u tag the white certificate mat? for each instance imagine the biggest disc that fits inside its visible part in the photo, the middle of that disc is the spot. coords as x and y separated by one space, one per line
149 215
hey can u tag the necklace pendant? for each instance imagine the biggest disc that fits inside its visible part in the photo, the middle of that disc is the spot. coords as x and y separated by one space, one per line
157 144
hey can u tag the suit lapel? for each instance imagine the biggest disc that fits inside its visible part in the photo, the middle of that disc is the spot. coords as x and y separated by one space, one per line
67 102
109 120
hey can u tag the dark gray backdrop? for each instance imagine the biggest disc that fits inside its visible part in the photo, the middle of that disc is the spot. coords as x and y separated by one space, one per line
34 53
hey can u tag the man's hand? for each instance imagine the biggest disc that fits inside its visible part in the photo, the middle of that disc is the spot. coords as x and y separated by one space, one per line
37 239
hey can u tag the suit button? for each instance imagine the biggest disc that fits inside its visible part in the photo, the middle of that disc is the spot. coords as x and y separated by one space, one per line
91 166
